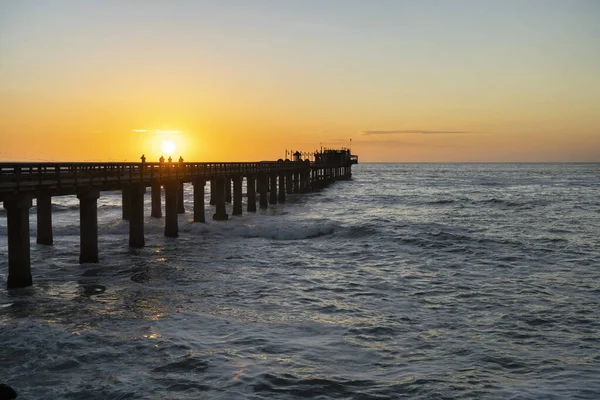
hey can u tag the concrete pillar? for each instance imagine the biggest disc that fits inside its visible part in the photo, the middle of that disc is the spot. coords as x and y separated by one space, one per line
213 189
302 188
251 189
220 211
281 197
171 224
44 219
228 190
273 192
156 201
296 182
180 207
19 261
125 203
199 184
237 195
307 181
288 183
136 223
318 178
263 186
88 225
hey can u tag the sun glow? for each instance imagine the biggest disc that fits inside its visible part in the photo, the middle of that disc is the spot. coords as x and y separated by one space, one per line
168 147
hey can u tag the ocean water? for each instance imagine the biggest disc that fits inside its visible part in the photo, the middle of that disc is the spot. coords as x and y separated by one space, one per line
416 281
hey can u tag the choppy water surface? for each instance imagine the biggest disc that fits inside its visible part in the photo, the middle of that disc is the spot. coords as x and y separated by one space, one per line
410 281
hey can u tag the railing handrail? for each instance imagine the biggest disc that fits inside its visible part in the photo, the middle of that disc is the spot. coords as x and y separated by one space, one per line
34 176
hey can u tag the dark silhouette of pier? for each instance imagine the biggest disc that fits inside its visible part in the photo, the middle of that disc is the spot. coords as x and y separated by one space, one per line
20 183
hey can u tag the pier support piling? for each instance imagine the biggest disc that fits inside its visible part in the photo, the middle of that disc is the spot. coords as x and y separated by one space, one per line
44 219
125 203
288 183
180 206
251 192
296 182
136 223
171 225
273 192
199 184
263 186
88 225
281 197
237 195
228 190
303 176
19 257
212 191
156 201
220 211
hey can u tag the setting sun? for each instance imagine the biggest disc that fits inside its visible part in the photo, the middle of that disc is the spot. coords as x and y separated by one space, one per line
168 147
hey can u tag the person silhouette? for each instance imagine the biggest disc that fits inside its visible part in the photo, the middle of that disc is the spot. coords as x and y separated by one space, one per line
170 159
161 159
143 158
180 159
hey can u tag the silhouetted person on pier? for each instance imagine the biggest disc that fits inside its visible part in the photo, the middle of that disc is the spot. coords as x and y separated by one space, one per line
170 159
161 159
180 159
143 158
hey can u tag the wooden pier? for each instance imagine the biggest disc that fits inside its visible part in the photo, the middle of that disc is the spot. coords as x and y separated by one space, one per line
271 180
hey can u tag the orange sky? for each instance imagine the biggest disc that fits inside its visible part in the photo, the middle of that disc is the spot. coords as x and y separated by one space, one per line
237 81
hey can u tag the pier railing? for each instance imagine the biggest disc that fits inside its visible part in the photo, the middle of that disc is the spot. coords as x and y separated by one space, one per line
17 177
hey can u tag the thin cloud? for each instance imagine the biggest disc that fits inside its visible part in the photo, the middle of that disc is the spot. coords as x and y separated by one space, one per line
397 143
158 131
413 131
